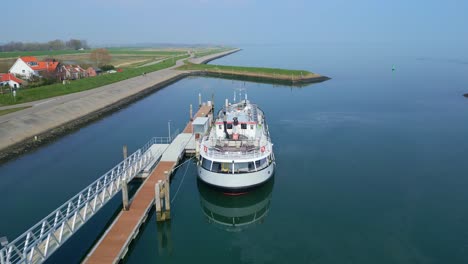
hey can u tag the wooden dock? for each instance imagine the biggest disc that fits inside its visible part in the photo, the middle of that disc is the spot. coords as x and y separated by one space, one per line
113 246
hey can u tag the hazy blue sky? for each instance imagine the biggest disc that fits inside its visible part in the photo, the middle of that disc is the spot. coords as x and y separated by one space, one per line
438 24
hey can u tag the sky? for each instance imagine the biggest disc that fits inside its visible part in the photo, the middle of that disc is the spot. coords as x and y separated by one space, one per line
415 23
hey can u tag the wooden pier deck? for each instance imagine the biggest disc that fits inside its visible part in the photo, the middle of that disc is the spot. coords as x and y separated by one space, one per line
114 244
203 111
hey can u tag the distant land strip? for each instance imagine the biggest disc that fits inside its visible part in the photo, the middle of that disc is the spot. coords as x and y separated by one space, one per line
260 73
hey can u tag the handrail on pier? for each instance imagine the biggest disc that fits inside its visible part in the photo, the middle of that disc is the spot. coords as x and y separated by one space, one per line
40 241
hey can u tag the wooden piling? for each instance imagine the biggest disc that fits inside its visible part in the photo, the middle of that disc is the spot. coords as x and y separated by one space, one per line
166 175
191 113
124 150
167 201
212 102
162 200
157 200
124 184
125 194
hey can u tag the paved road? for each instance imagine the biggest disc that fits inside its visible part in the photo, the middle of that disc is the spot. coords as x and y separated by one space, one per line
54 112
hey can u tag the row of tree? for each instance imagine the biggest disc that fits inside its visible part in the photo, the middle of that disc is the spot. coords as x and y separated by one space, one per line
57 44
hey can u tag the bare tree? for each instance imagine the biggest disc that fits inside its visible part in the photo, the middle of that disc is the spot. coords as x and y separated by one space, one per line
56 44
100 57
74 44
51 45
84 44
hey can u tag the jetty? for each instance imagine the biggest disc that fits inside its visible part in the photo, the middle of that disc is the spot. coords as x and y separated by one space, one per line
155 162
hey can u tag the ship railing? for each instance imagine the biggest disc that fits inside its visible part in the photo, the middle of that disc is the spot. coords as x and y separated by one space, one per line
214 153
213 142
44 238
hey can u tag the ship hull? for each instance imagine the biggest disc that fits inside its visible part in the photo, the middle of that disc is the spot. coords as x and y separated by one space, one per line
236 181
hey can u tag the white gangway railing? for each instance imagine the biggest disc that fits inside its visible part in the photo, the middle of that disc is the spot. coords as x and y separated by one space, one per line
40 241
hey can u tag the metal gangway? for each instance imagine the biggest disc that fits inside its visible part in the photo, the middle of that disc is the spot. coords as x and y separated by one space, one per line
40 241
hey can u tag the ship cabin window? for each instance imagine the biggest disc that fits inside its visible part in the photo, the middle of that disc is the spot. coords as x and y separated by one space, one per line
243 126
251 127
229 126
216 167
220 127
206 164
261 164
244 167
221 167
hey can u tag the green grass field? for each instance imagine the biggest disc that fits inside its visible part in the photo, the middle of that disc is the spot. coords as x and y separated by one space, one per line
146 52
43 92
205 52
121 57
52 53
272 72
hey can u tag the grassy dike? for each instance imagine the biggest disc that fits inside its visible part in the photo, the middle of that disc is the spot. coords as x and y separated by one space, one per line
206 52
273 74
57 89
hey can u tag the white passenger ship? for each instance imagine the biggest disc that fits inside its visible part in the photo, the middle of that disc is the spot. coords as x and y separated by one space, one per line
237 152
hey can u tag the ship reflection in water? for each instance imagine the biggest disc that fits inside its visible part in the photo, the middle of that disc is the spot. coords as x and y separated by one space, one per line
235 212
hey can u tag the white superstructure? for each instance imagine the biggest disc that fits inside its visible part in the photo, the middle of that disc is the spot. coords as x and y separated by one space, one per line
237 152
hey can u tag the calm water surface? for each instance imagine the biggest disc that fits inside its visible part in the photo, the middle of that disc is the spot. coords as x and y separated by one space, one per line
371 166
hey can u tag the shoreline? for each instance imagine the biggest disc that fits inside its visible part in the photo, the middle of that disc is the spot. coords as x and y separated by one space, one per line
48 136
261 78
14 144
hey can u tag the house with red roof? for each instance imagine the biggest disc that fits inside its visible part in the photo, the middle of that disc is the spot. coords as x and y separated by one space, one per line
27 67
10 79
71 72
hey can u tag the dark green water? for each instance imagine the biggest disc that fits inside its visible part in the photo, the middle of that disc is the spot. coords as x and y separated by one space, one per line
372 166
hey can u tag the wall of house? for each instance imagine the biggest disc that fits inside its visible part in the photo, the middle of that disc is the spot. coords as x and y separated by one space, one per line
21 69
91 72
13 84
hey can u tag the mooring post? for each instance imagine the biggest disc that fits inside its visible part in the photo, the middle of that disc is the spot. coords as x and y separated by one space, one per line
166 175
124 183
199 100
3 241
169 129
125 194
167 201
191 112
157 199
212 102
124 150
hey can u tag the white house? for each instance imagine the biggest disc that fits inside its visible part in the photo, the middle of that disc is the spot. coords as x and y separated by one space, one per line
27 67
10 79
